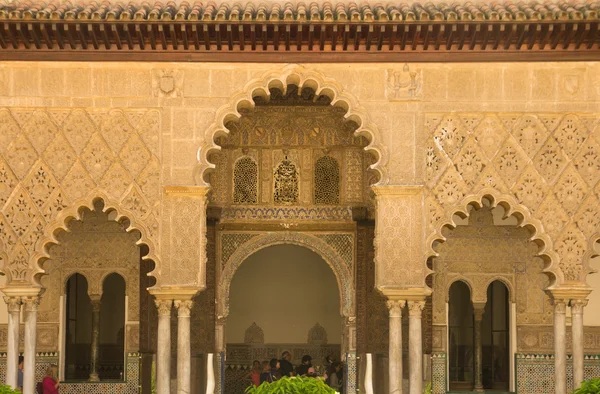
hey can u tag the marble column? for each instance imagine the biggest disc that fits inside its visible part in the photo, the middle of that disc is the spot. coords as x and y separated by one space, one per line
31 306
96 303
163 347
12 345
183 346
415 346
560 346
478 309
577 330
395 345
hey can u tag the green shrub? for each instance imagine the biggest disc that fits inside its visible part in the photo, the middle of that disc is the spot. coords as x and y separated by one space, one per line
294 385
427 389
4 389
591 386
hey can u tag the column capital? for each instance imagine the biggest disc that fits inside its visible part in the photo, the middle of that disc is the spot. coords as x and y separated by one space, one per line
415 308
13 303
577 305
395 307
164 306
31 303
184 307
478 310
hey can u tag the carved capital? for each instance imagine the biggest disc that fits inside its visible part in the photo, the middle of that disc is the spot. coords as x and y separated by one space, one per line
184 307
478 310
13 304
560 305
164 307
395 307
577 306
31 303
415 308
96 304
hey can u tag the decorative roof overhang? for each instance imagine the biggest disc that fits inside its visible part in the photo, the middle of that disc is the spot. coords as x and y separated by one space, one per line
346 32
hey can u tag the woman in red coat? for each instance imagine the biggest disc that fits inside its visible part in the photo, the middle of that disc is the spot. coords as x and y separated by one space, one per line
51 382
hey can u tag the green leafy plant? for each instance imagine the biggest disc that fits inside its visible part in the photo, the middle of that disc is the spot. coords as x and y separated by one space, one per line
591 386
294 385
427 389
4 389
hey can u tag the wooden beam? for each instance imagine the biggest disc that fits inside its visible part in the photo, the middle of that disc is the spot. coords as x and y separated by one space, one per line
33 34
115 31
46 35
140 37
105 37
24 38
151 36
67 29
127 29
92 32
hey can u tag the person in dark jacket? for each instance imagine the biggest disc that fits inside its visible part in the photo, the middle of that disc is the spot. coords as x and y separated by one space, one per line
285 366
302 370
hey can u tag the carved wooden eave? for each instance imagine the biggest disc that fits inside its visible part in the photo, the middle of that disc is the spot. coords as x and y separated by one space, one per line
346 32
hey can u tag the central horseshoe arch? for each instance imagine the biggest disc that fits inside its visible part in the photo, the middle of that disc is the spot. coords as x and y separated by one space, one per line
332 258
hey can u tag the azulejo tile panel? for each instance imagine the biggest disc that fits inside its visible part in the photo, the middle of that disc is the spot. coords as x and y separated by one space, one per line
43 360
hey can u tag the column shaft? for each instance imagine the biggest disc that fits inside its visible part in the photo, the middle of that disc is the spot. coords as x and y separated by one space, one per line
31 304
560 346
183 346
96 303
577 330
415 346
163 347
12 346
395 345
478 310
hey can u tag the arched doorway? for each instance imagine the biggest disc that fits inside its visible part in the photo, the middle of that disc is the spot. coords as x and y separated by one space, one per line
282 298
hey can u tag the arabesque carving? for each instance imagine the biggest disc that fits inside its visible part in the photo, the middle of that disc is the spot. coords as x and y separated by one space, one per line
301 77
74 157
542 168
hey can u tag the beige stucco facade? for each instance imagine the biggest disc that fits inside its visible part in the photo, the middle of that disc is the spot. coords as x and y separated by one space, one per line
141 137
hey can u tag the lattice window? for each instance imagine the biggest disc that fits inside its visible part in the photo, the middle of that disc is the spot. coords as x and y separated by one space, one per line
245 181
327 181
286 183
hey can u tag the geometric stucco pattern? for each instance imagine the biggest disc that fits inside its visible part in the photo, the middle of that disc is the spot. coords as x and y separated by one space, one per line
548 164
52 160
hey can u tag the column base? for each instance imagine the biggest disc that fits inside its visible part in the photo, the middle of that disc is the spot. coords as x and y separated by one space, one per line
478 390
94 377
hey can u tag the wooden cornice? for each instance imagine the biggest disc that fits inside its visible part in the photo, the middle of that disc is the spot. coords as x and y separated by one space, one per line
107 32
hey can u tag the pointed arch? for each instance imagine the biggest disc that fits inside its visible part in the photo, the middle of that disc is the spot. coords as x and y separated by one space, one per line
332 258
303 78
512 208
74 212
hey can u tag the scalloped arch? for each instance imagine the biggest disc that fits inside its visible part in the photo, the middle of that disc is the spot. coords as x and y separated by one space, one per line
320 247
506 282
302 77
512 208
588 256
61 222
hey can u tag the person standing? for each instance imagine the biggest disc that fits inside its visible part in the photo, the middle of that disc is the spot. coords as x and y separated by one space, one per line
285 366
302 370
254 375
50 383
20 374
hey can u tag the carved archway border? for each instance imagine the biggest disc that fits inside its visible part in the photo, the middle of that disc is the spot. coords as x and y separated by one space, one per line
512 208
302 77
61 222
332 258
587 257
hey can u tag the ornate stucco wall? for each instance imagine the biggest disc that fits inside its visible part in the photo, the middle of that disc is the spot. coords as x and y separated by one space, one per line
526 133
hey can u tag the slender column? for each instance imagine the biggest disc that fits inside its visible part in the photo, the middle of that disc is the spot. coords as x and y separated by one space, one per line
415 346
560 346
12 345
577 328
163 347
395 345
31 305
96 303
183 346
478 309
